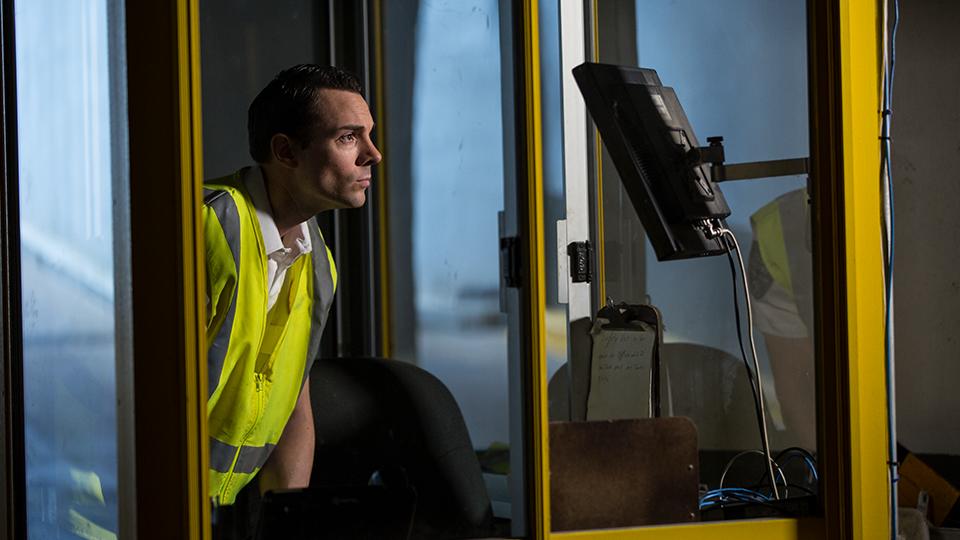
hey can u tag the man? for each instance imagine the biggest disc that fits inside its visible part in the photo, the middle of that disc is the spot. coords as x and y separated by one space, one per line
271 278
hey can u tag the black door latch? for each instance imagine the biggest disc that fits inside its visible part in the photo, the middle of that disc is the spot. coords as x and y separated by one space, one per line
581 270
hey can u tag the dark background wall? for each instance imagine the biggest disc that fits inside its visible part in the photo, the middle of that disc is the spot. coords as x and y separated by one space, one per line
243 45
926 148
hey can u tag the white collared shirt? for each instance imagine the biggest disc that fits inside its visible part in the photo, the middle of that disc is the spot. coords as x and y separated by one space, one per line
282 251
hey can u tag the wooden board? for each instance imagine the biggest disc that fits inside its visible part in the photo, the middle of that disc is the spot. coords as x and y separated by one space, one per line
623 473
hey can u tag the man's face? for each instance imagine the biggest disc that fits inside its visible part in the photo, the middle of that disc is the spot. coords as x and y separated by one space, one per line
334 169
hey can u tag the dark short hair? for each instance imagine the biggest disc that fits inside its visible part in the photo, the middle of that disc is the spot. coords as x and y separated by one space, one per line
288 105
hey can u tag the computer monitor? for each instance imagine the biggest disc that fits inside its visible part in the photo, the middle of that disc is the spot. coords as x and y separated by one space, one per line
657 155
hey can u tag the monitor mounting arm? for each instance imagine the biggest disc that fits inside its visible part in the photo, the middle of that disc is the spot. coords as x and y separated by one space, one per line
714 155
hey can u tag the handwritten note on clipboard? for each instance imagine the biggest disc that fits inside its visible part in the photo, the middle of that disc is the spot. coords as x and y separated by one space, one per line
624 367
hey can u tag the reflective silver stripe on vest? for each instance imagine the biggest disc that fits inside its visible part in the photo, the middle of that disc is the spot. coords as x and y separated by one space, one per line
322 294
225 209
250 459
221 455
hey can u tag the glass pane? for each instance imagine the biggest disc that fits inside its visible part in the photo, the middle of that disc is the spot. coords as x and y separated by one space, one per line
374 417
752 90
739 71
445 166
66 66
551 115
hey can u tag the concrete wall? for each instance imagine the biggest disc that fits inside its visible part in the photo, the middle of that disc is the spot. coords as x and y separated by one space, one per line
926 135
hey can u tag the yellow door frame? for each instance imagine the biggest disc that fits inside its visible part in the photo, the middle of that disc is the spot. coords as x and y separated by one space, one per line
860 105
532 261
382 193
167 458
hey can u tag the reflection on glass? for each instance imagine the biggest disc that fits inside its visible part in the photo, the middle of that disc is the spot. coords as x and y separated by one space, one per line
457 191
65 172
781 284
444 158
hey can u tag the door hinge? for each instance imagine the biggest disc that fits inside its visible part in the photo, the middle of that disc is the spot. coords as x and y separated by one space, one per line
581 254
510 261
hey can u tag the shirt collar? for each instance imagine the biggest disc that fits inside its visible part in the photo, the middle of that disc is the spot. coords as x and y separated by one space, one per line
298 237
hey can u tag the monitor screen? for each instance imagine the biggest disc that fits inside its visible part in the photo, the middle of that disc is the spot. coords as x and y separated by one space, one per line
655 151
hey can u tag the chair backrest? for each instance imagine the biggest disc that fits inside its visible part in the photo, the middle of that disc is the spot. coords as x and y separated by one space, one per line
709 386
375 415
703 383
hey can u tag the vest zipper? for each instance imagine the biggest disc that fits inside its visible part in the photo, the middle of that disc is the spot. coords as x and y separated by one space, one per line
258 382
267 363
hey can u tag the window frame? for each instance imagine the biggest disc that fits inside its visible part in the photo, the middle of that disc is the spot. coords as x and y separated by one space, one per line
166 460
13 491
844 89
13 488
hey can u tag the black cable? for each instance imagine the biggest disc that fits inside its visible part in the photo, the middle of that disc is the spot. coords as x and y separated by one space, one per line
779 510
759 482
743 350
755 385
808 491
799 450
793 452
802 452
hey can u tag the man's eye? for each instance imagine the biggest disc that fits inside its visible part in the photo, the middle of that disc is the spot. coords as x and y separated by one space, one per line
349 137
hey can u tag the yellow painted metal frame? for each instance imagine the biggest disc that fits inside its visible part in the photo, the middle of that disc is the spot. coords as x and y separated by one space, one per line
170 380
601 247
535 304
866 488
383 189
860 104
194 271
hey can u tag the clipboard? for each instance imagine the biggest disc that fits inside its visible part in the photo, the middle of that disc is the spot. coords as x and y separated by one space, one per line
625 353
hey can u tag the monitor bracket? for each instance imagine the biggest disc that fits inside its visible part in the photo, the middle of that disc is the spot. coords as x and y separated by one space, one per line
714 155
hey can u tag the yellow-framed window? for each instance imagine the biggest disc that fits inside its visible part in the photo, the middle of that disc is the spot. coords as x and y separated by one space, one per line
843 53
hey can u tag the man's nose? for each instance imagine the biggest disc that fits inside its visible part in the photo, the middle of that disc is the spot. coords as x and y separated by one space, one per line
372 156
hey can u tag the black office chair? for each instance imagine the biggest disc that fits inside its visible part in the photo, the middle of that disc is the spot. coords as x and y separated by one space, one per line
391 424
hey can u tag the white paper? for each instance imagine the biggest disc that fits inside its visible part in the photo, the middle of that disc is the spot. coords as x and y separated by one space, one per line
620 374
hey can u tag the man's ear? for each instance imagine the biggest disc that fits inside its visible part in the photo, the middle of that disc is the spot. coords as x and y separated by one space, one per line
282 150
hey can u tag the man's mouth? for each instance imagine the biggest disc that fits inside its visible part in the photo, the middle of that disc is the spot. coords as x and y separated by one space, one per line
364 182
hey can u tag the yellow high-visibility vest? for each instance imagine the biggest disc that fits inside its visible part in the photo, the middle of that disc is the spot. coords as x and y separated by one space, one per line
258 359
782 237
